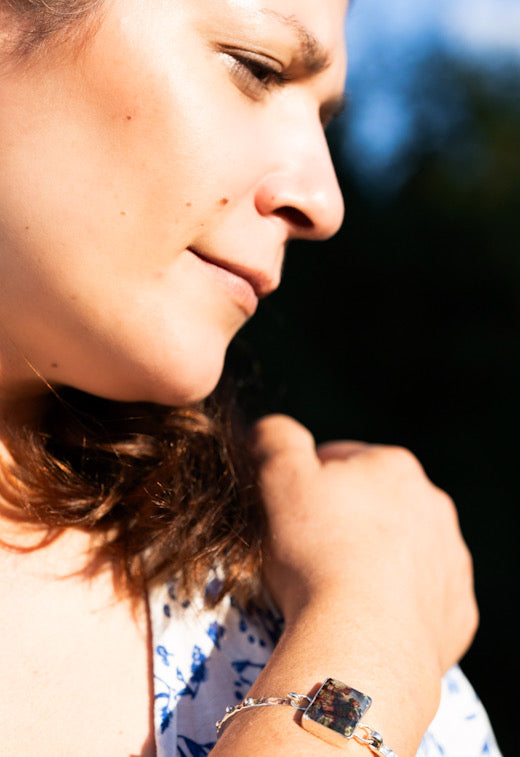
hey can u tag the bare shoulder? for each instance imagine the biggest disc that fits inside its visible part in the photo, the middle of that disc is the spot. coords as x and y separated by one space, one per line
74 665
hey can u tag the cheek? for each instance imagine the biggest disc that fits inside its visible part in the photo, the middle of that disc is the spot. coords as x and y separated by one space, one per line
110 168
147 115
168 111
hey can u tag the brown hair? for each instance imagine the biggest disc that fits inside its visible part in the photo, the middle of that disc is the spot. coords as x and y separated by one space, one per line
35 21
169 490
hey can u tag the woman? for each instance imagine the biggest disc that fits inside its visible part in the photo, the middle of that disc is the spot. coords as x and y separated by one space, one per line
156 158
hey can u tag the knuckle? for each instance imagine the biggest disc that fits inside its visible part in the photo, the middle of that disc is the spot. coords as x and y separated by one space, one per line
402 460
474 615
474 619
450 508
446 507
471 610
467 557
467 565
471 622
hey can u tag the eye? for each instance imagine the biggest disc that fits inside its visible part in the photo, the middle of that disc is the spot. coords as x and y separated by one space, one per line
253 73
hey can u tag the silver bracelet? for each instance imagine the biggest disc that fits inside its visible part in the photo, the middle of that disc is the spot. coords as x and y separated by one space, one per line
333 715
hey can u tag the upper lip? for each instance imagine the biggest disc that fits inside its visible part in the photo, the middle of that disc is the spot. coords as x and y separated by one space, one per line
262 282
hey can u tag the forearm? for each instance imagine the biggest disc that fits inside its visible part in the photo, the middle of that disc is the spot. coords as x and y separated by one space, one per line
352 557
366 650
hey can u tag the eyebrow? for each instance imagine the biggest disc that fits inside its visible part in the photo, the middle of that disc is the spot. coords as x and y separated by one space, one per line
313 55
314 58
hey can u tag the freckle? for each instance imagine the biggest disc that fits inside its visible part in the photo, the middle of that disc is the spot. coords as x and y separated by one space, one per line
54 365
123 212
188 204
129 118
73 297
27 228
224 201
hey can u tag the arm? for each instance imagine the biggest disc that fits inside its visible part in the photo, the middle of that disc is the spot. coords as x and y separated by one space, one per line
367 563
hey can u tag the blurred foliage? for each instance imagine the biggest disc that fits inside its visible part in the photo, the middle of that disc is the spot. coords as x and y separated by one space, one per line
405 329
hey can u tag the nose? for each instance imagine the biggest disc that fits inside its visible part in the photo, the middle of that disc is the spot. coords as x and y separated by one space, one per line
303 189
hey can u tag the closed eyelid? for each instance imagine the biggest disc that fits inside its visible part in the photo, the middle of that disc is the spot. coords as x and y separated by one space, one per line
250 56
310 58
253 73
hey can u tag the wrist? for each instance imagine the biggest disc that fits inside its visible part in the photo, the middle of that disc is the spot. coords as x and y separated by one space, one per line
375 649
333 714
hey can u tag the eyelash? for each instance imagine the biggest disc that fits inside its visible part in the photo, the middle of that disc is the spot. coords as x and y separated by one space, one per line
253 75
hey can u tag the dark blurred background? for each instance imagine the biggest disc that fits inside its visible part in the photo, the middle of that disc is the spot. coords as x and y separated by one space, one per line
406 327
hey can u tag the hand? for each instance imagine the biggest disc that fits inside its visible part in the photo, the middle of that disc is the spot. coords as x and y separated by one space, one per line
363 525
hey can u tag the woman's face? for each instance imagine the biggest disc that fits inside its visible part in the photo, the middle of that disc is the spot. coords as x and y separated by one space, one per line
150 180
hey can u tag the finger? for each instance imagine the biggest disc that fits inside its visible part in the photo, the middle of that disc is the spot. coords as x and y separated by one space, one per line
340 450
279 434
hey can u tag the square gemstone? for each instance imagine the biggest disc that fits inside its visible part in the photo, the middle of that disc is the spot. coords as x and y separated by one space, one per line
335 712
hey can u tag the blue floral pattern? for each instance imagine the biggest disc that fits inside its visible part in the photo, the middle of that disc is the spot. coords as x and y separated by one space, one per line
205 660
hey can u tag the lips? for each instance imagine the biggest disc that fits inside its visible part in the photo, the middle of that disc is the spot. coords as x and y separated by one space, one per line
248 284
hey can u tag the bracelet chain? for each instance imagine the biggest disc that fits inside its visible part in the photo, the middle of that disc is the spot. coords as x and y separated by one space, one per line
371 739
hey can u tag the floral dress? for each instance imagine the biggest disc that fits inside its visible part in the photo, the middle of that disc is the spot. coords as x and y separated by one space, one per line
205 660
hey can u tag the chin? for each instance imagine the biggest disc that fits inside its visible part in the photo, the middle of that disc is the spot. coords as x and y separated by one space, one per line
177 396
171 373
171 388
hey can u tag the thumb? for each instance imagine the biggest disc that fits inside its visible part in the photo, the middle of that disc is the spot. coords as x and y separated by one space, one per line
280 435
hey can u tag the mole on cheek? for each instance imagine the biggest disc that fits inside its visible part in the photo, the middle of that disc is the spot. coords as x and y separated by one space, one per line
54 365
224 201
188 204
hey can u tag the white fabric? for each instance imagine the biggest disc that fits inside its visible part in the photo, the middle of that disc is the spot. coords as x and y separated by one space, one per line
206 660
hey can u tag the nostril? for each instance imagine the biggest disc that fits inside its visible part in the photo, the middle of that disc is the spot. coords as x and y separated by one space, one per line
295 217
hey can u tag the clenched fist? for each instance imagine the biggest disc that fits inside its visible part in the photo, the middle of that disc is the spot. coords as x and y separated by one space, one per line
362 526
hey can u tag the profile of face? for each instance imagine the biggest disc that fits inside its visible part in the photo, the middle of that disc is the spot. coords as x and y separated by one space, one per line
150 180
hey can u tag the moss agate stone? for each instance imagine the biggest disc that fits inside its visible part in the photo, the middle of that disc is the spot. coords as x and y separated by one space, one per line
335 712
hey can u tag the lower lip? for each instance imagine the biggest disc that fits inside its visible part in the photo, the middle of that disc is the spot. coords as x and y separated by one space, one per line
240 289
